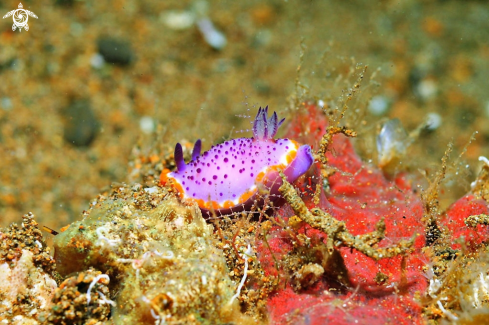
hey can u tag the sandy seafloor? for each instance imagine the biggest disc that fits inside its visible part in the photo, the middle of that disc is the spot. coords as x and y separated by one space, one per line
69 121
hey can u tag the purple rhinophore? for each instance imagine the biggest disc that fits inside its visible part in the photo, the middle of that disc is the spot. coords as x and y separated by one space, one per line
196 150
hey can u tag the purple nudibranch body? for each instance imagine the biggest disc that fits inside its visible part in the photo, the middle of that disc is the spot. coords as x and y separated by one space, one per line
227 178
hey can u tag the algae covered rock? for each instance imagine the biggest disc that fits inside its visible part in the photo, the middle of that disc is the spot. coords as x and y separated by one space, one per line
160 256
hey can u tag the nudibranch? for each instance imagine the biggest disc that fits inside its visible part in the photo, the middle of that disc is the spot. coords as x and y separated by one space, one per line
231 176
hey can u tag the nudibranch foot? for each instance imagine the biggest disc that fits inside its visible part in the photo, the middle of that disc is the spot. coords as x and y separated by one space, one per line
229 177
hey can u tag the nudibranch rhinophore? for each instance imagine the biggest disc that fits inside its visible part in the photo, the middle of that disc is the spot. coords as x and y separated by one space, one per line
229 177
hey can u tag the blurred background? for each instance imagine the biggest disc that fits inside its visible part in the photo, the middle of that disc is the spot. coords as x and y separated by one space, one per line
90 80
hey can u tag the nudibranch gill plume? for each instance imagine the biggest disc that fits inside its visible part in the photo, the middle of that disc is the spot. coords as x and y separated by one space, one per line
229 177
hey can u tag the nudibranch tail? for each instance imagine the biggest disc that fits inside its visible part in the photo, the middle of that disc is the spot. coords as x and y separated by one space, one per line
265 128
179 161
196 150
298 162
302 162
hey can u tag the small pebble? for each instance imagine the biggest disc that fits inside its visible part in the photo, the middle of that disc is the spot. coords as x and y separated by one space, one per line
392 142
151 190
211 35
115 51
177 20
427 89
81 125
433 121
97 61
378 105
147 124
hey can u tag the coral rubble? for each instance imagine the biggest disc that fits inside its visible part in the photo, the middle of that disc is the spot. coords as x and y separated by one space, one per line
27 273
